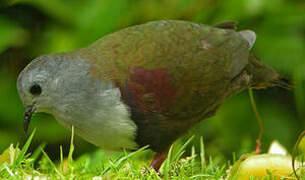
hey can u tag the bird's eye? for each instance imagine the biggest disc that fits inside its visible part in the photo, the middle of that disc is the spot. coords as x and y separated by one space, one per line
35 89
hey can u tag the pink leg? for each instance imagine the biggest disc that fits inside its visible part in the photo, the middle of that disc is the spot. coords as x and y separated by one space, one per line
258 147
158 160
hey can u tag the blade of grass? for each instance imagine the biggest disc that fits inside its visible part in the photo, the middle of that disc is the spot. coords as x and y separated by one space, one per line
24 150
119 162
105 171
153 174
70 158
61 159
51 163
193 158
10 172
37 152
234 157
202 154
70 155
166 168
181 150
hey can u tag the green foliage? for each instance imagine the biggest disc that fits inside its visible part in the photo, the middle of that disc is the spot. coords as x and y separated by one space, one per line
12 34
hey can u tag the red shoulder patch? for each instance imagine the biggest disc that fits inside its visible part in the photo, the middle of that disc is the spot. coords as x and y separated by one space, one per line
149 90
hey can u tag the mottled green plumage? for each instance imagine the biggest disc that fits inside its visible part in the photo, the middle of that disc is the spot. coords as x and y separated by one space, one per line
205 65
201 60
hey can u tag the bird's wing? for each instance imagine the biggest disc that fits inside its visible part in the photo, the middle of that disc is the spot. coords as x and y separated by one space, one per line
170 66
171 74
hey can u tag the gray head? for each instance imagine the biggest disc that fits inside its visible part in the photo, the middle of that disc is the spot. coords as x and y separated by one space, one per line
54 83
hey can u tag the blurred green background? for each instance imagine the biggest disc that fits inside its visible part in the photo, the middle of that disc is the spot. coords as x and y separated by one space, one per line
29 28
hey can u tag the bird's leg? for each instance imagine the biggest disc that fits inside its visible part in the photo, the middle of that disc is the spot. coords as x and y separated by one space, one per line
158 160
258 146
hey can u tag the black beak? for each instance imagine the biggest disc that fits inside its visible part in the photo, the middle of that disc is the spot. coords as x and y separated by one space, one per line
29 110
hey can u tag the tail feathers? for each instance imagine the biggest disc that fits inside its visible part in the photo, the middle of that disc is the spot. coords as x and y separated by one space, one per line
283 83
264 76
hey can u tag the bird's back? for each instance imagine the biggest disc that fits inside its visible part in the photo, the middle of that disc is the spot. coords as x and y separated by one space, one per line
171 73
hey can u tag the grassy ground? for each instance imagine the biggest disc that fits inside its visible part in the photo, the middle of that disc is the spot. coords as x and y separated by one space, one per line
16 163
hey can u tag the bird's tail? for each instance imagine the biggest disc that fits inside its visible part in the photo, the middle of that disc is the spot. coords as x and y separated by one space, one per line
283 83
264 76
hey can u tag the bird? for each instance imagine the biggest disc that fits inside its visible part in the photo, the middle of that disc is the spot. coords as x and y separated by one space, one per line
145 85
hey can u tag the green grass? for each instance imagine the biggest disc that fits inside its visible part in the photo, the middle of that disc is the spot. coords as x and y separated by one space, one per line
18 163
103 165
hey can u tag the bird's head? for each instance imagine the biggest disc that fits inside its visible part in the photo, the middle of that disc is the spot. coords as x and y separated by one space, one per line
54 84
33 86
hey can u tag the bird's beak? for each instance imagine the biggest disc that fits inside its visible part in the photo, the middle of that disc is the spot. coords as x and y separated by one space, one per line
29 110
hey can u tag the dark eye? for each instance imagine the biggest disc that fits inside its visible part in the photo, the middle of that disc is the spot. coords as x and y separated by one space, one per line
35 89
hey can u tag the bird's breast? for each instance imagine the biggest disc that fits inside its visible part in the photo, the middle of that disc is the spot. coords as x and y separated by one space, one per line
108 126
